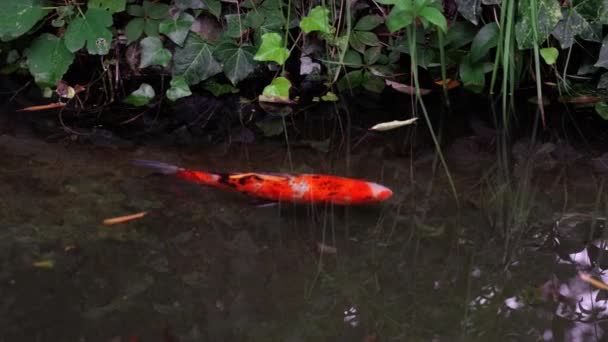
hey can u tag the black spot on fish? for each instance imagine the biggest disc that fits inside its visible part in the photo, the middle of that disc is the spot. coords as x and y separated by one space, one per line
225 179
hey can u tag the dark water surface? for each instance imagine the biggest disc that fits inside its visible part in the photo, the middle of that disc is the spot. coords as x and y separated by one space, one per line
206 265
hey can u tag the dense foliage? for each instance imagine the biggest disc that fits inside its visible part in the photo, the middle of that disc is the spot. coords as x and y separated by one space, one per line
339 45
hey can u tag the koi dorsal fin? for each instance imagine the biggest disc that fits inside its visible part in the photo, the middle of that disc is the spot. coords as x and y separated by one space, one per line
261 176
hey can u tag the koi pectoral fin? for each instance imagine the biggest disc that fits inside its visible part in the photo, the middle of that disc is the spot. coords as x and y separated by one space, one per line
267 205
160 167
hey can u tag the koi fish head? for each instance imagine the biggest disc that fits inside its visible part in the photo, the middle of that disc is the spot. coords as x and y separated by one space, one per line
380 192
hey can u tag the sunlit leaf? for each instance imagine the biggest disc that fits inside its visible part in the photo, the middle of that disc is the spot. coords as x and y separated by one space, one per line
316 20
549 55
272 49
142 96
277 90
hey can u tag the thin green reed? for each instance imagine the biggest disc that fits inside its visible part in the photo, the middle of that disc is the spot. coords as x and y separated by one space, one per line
411 39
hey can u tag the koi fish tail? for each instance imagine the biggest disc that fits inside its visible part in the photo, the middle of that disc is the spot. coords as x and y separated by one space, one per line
160 167
179 172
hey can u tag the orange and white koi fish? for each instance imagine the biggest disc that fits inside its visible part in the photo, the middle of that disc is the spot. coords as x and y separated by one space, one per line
303 188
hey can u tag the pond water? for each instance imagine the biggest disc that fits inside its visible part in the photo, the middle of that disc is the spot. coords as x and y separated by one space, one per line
207 265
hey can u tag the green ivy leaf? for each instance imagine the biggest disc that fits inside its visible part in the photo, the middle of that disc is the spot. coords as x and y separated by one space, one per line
549 55
218 89
316 20
149 16
179 88
329 97
189 4
548 15
112 6
156 11
373 83
278 88
48 59
460 34
472 75
602 61
369 22
372 55
214 7
91 29
352 59
470 10
571 25
17 17
177 30
351 80
272 23
153 53
237 60
398 19
151 27
255 19
142 96
601 108
134 29
271 127
367 38
236 25
272 49
135 10
484 40
195 61
435 17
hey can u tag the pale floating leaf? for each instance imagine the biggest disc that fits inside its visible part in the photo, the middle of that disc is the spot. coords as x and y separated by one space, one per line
387 126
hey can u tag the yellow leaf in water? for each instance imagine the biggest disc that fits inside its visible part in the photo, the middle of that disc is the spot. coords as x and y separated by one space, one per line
44 264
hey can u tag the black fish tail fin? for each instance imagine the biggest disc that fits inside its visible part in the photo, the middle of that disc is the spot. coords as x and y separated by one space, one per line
160 167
